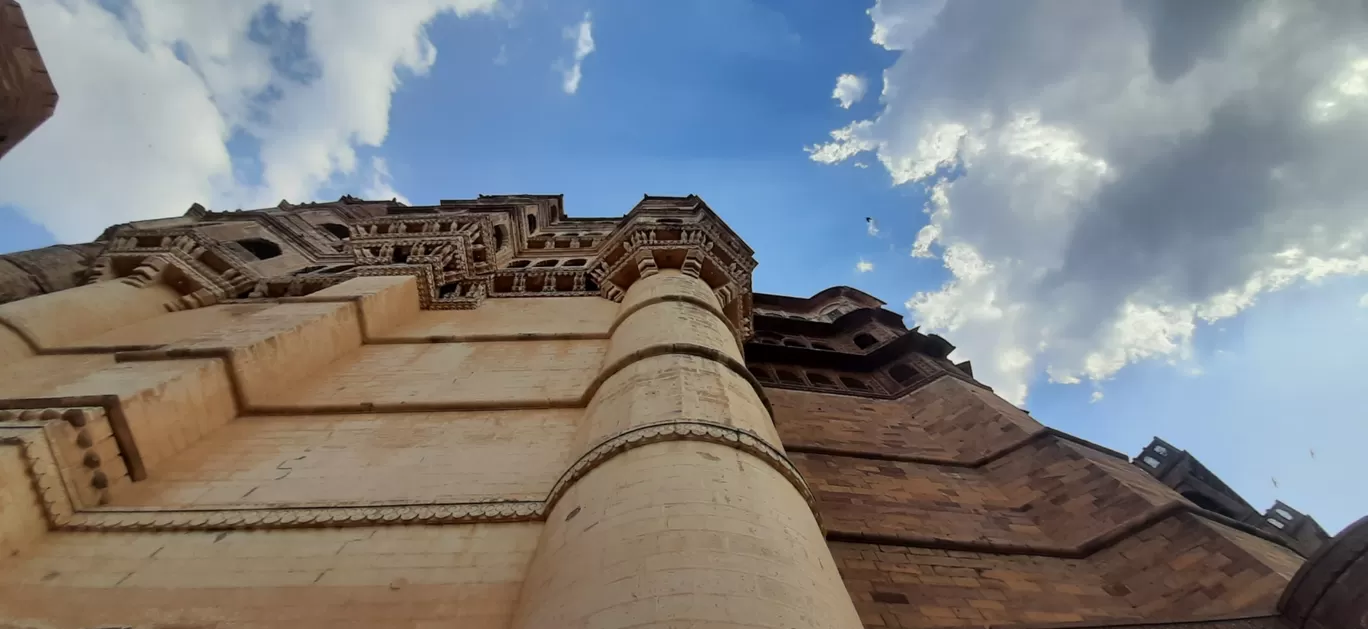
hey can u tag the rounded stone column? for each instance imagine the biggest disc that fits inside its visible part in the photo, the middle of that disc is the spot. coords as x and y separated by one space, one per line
683 510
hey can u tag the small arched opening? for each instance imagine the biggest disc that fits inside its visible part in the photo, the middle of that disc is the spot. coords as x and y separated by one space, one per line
821 345
518 264
854 383
864 340
260 247
338 230
546 263
903 373
574 262
500 237
819 380
788 377
531 223
792 342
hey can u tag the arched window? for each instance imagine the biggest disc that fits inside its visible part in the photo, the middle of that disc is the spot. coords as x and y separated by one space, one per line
820 345
762 375
902 373
819 380
767 339
792 342
575 262
864 340
546 263
260 247
788 377
518 264
500 235
340 231
854 383
531 223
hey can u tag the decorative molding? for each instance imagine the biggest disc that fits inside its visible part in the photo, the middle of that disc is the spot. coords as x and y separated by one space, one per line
683 430
62 514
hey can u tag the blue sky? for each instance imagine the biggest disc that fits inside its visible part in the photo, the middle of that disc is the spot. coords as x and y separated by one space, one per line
1072 233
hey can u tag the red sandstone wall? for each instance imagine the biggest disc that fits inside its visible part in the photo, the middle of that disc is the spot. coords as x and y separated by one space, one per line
27 96
950 507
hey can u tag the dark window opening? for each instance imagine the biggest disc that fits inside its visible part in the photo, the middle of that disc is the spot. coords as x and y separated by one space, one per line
531 223
575 262
854 383
260 247
864 340
670 221
590 284
794 342
788 377
401 255
340 231
819 345
546 263
518 264
447 290
819 380
768 340
762 375
902 373
500 234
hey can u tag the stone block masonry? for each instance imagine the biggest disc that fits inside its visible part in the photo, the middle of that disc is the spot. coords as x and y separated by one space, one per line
485 414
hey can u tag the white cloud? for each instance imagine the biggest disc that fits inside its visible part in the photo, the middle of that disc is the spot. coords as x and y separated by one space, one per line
872 227
150 98
864 266
1363 301
849 89
381 184
1106 177
583 36
1095 397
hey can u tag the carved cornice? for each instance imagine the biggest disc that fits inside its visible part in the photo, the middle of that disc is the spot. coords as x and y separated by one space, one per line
699 246
202 270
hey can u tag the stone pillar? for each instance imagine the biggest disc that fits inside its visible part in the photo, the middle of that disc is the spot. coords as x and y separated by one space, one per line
683 509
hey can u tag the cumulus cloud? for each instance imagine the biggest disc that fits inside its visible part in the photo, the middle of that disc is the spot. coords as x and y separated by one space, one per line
864 266
583 36
1105 177
1095 397
153 92
849 89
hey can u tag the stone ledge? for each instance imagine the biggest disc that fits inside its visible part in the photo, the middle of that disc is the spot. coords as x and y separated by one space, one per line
99 518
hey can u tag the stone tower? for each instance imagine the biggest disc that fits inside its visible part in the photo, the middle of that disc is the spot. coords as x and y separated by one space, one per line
486 414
